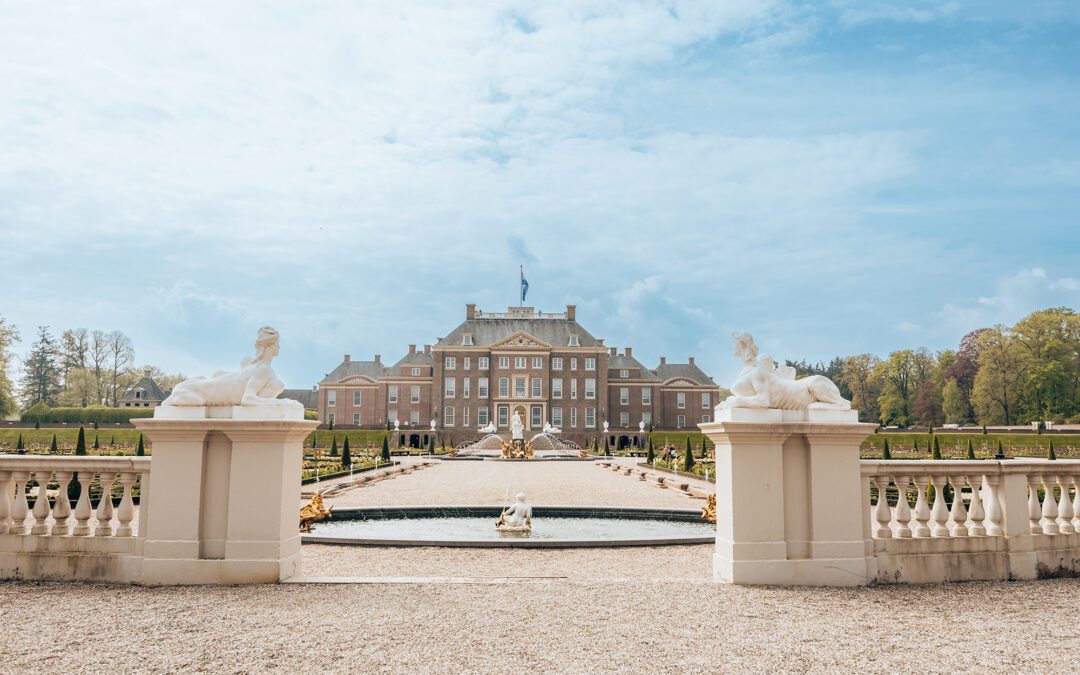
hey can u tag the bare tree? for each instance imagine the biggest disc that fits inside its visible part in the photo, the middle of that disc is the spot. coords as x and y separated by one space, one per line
120 357
74 349
99 358
8 336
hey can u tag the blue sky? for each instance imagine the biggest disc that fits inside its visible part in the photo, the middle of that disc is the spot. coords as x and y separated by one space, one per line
836 178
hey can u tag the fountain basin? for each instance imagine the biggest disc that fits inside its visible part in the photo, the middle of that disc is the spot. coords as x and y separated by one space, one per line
474 527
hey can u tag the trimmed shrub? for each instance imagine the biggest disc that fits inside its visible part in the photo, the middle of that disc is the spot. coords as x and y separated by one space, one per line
431 444
885 452
52 446
1050 454
937 449
19 445
80 442
386 448
971 450
688 458
651 456
346 456
333 446
140 451
93 415
97 445
1000 450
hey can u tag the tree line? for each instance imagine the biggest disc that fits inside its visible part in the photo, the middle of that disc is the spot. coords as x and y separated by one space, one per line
999 375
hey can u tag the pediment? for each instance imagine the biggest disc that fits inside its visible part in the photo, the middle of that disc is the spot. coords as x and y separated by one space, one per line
520 340
357 379
680 382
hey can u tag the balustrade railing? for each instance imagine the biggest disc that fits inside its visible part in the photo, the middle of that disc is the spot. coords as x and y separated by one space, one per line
953 499
47 480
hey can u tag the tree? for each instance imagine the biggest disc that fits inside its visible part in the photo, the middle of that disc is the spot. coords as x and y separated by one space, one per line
954 404
97 446
649 458
688 458
857 373
971 449
346 456
607 447
80 442
140 451
333 447
927 407
98 355
965 367
19 445
41 371
915 443
885 452
386 448
899 375
52 446
8 337
431 444
1001 371
1000 451
74 351
314 440
120 355
1050 454
937 449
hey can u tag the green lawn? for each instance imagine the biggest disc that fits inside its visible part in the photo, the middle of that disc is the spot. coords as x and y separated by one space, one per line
954 446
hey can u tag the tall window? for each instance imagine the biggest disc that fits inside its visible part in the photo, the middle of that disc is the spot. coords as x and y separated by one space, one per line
450 363
590 388
590 418
483 363
392 394
538 362
504 415
646 417
331 397
573 389
466 363
519 361
574 341
537 387
330 418
482 416
504 361
556 417
449 387
624 419
680 400
414 393
590 363
556 387
356 419
706 399
573 418
466 388
504 387
356 397
482 387
414 417
624 395
646 396
448 416
556 363
537 417
681 421
519 387
391 416
465 416
573 364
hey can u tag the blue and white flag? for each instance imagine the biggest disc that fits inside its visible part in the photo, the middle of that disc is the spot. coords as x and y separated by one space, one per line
524 285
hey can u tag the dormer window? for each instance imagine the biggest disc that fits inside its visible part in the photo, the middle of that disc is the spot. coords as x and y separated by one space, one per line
624 373
574 341
467 340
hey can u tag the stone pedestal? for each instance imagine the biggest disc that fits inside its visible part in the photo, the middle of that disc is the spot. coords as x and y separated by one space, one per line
225 500
789 507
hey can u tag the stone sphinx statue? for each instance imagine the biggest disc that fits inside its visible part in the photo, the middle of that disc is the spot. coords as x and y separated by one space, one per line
517 517
761 384
250 392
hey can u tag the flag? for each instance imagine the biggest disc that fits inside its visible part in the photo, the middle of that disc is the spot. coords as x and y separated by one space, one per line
524 285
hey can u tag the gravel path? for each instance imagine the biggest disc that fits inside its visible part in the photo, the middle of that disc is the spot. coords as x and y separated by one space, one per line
539 626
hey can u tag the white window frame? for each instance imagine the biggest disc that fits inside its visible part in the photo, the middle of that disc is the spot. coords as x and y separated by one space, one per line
483 363
449 387
416 372
466 362
573 364
590 413
414 394
503 413
331 397
465 416
391 416
466 387
504 387
590 388
646 396
356 419
482 388
482 415
624 420
448 416
624 395
574 341
357 397
590 363
573 418
521 387
556 363
520 362
537 387
680 400
624 373
556 417
706 400
537 362
467 340
573 389
536 416
450 363
705 419
330 418
391 392
680 422
414 418
504 362
556 387
646 417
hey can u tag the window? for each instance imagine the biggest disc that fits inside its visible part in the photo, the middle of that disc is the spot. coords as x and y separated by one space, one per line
483 363
450 363
573 364
590 363
482 416
331 397
538 362
590 388
504 361
682 421
556 417
414 417
556 387
706 399
466 339
680 400
624 419
590 418
573 389
519 387
466 387
465 416
482 387
556 363
356 397
448 416
416 372
137 393
646 396
574 341
449 387
391 416
624 395
466 362
537 387
624 373
504 416
504 387
705 419
392 391
573 418
646 417
519 361
537 417
414 395
330 418
356 419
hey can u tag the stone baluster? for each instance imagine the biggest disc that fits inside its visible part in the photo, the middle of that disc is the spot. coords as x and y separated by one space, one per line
882 515
922 509
83 511
105 507
958 514
994 514
1064 507
939 515
5 502
41 504
21 506
902 513
1076 501
126 513
62 508
1049 507
1034 512
976 515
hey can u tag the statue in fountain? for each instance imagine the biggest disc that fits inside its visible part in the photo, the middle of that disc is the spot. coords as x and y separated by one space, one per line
313 512
761 384
255 385
489 429
517 428
550 430
517 517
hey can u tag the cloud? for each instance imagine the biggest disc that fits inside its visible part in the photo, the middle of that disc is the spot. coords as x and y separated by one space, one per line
519 249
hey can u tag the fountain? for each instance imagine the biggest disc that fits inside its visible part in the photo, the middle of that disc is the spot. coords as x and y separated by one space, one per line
544 445
517 517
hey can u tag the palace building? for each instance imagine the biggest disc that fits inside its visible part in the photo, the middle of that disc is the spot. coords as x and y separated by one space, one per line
544 366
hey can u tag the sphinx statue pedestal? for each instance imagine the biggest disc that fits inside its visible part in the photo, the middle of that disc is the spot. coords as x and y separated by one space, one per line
223 498
789 508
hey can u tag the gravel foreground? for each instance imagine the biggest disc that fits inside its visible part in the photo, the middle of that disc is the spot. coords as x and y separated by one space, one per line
539 626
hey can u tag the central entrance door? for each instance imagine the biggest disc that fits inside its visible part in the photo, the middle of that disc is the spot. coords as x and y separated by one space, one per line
520 410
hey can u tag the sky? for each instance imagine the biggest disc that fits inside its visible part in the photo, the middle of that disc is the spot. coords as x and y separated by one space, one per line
836 178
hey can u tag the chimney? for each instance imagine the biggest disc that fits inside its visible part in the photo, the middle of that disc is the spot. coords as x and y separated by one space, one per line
629 351
470 311
571 312
427 349
691 360
412 349
314 387
146 372
378 358
663 360
613 350
347 358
